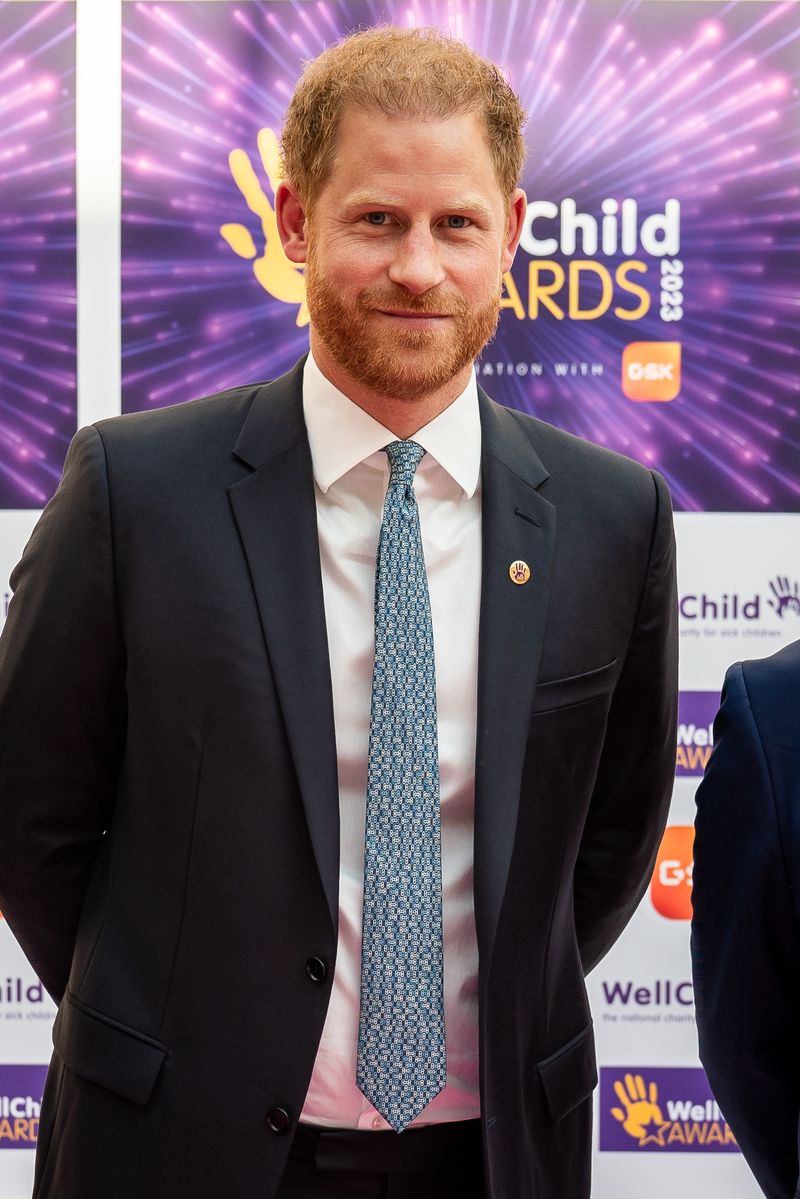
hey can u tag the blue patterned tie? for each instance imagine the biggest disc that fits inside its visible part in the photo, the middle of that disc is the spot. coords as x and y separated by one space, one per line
402 1064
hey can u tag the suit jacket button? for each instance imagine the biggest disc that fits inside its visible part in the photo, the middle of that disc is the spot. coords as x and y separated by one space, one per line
316 970
278 1120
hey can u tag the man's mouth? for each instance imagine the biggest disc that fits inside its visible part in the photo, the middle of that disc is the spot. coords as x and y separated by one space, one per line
413 314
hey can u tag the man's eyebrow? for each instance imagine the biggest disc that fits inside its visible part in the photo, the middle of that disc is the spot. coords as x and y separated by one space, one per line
377 201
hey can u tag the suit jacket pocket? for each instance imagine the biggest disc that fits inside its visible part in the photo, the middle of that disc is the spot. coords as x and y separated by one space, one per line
575 689
105 1052
570 1074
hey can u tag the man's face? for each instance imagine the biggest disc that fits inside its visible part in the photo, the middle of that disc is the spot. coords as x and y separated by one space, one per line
405 251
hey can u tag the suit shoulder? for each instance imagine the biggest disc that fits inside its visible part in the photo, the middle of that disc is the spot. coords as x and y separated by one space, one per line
180 425
592 467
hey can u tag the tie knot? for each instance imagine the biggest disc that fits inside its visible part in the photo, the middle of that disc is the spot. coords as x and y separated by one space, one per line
404 458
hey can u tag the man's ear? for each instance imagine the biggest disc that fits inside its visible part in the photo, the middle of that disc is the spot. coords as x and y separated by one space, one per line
290 215
516 219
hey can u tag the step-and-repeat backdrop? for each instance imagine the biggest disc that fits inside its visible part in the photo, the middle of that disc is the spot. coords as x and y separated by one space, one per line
652 307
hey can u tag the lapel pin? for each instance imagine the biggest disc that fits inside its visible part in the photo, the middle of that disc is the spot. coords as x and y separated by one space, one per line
519 572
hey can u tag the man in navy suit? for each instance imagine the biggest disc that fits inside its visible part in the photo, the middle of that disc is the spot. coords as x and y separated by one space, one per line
745 929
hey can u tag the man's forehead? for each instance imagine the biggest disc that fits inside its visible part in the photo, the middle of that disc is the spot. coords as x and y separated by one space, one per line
375 146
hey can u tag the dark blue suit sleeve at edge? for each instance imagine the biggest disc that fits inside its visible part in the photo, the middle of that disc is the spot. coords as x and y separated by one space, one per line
744 948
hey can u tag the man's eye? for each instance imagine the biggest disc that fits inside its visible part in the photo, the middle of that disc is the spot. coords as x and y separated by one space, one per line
457 222
377 218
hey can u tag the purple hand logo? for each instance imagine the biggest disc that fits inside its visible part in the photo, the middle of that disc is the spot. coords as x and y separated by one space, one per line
786 596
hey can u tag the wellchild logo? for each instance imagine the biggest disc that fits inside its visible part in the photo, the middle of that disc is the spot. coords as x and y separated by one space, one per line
696 712
660 1109
659 1001
766 614
645 270
662 991
21 1090
782 597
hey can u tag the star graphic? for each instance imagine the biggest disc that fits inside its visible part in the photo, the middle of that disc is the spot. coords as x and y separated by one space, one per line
657 1136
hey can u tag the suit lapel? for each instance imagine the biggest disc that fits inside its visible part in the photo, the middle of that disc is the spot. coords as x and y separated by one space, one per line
275 512
518 523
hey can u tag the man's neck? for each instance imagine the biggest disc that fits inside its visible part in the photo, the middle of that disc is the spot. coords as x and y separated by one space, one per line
402 417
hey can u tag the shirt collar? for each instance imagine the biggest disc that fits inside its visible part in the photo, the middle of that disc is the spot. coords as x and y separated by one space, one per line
341 434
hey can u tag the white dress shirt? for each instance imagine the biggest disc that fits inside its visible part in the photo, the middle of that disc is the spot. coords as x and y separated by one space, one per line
351 474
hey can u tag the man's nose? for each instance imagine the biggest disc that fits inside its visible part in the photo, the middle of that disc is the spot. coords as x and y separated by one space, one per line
416 264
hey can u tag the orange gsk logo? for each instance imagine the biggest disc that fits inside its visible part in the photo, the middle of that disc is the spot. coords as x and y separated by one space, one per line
651 370
671 885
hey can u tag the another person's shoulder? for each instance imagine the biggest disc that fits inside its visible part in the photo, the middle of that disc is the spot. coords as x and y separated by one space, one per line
763 694
780 667
772 684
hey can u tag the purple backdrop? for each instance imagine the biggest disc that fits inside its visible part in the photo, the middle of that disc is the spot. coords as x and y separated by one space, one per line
37 249
692 104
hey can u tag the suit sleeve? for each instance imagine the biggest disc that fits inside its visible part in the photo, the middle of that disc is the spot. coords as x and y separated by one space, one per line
62 714
633 788
744 948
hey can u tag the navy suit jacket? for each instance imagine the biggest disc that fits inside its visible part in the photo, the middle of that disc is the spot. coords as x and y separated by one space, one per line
746 923
169 836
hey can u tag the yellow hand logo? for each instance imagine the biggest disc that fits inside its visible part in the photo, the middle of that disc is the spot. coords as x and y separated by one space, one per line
640 1114
277 275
